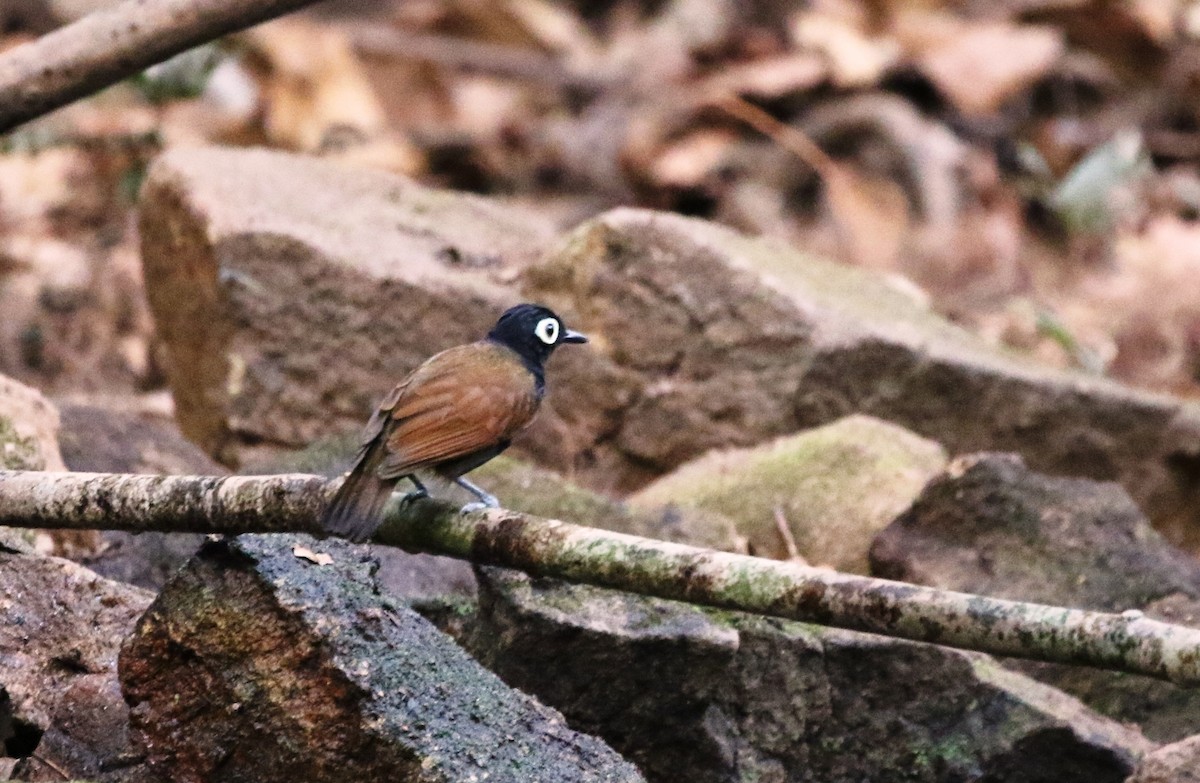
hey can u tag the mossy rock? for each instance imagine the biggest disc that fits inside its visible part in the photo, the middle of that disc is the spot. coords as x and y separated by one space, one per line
543 493
835 486
17 452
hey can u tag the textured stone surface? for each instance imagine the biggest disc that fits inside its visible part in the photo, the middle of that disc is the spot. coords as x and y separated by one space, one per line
835 486
255 663
29 427
991 525
699 695
1176 763
106 438
293 293
732 340
62 628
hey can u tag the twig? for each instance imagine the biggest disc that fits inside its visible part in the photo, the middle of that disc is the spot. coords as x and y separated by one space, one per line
476 57
789 540
110 44
55 767
240 504
790 138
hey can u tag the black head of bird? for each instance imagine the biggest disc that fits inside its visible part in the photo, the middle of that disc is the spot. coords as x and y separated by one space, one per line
450 415
532 332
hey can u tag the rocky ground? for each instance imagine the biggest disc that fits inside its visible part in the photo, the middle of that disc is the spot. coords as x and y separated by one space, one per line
224 279
715 355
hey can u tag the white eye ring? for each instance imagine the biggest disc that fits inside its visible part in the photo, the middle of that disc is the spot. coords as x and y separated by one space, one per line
547 330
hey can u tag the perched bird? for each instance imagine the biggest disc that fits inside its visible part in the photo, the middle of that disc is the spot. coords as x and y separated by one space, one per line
450 415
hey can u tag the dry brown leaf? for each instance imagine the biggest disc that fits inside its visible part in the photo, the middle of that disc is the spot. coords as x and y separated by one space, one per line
304 553
314 84
980 65
871 215
769 78
689 160
855 59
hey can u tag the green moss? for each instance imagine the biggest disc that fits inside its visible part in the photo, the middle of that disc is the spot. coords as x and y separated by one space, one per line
836 486
17 452
532 490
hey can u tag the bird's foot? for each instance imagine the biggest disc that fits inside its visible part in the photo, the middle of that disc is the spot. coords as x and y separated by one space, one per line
412 497
482 505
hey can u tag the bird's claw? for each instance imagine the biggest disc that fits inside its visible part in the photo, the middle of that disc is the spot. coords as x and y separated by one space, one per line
479 506
413 497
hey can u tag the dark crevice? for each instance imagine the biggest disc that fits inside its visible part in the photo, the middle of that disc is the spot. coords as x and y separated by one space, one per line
21 739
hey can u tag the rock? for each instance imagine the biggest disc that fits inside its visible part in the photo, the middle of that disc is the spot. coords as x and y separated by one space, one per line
108 436
527 488
286 314
702 695
991 525
103 437
62 628
255 663
29 427
836 487
726 341
1177 763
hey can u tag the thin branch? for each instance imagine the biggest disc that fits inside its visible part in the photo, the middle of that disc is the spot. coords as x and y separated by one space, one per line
111 44
289 503
241 504
483 57
62 773
787 136
789 540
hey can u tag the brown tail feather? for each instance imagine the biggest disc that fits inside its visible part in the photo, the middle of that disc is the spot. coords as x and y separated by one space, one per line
356 511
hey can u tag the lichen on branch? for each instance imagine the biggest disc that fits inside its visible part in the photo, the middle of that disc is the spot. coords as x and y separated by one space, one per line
1128 642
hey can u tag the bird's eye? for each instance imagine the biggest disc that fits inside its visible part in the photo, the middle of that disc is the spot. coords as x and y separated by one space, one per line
547 330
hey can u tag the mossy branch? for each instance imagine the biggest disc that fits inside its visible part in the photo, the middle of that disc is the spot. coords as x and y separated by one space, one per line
111 44
292 503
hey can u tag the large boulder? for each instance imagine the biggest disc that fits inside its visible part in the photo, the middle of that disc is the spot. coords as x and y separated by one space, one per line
277 659
291 293
709 696
61 709
1175 763
991 525
732 340
833 488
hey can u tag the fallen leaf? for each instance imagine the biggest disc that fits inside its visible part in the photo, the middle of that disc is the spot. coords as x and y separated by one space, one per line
320 558
980 66
854 58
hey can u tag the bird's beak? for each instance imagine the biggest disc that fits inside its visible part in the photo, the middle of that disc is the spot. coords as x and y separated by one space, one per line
573 336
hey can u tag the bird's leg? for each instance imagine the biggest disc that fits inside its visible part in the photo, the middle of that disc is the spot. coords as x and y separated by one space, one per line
485 500
416 494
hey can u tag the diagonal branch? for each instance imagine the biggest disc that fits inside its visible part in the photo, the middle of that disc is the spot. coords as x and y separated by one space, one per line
292 503
113 43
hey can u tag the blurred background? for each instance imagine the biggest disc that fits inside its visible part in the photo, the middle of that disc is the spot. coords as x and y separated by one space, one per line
1029 166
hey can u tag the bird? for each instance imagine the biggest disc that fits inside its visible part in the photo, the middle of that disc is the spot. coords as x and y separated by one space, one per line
453 413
